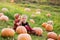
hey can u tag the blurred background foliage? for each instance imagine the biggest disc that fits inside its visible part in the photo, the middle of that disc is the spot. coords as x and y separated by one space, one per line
51 2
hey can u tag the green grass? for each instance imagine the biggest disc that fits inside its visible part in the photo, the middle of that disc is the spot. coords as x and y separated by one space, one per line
39 19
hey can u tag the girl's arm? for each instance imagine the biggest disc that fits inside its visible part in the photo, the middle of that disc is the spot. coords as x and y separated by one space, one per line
16 22
19 23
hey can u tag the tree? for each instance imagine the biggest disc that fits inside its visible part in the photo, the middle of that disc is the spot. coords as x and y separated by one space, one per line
57 2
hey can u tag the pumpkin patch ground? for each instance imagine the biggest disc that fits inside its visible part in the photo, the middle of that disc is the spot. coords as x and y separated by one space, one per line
43 19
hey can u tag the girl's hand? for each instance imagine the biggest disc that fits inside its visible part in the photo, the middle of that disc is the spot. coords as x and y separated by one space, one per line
18 24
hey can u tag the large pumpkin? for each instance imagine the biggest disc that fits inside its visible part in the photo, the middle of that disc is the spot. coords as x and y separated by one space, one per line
52 35
49 27
50 39
38 31
7 32
58 37
4 18
21 30
24 37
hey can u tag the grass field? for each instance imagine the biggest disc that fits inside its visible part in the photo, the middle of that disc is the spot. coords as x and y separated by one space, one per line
39 19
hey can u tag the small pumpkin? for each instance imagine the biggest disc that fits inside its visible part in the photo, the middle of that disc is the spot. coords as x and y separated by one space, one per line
27 9
48 15
49 27
44 25
32 21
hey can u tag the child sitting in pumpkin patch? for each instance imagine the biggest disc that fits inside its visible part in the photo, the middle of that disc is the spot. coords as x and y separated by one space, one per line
26 25
17 21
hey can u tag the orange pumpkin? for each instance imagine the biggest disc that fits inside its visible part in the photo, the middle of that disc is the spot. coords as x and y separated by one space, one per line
24 37
52 35
4 18
44 25
49 27
48 15
58 37
32 21
38 12
7 32
5 10
12 1
50 39
38 31
21 30
27 9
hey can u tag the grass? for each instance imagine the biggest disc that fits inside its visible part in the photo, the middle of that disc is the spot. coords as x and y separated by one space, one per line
39 19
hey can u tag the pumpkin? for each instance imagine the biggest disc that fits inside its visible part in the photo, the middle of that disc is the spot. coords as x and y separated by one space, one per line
49 27
50 39
7 32
4 18
48 15
21 30
38 31
52 35
58 37
50 22
4 10
32 21
44 25
27 9
24 37
38 12
12 1
1 14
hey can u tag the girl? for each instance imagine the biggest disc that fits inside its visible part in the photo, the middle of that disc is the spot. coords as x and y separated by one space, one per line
26 25
17 21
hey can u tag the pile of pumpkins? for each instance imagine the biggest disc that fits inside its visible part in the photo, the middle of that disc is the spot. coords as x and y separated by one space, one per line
23 35
9 32
49 27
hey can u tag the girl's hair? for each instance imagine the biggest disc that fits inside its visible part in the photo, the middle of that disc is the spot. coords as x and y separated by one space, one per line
16 16
24 16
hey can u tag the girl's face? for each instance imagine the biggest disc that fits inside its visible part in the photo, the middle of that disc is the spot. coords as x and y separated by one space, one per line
24 19
19 17
16 16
